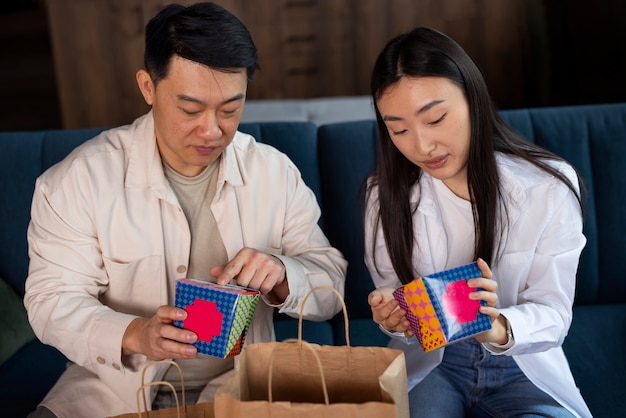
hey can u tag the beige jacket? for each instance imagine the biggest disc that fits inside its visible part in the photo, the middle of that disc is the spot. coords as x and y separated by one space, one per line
107 234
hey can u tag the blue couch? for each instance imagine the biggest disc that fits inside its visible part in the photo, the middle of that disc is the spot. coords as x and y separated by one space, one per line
334 160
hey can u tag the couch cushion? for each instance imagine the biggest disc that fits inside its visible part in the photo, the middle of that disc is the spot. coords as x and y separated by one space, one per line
27 377
15 330
21 164
346 157
595 351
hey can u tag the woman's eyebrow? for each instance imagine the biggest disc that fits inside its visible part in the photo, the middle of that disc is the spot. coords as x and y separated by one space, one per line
428 106
419 111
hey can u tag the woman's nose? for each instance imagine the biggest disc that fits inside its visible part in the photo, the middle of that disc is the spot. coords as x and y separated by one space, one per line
424 145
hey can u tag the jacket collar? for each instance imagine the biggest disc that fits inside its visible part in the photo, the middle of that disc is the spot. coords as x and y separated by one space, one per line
145 167
514 180
231 170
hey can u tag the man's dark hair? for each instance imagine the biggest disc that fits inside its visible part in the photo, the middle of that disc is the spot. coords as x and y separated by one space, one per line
203 32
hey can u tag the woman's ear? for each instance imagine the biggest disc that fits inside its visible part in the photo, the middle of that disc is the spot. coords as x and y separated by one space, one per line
146 86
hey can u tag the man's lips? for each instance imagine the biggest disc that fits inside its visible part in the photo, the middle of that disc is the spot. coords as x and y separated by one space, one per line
436 162
203 150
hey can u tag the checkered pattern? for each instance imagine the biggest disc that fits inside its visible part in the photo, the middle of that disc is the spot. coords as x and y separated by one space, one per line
415 301
237 306
241 323
422 299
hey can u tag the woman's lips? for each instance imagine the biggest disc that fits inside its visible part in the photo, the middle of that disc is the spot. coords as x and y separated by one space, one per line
437 162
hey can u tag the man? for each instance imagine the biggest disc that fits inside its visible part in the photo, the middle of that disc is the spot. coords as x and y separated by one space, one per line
178 193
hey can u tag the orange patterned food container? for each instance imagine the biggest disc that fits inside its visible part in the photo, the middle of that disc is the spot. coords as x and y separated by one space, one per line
439 308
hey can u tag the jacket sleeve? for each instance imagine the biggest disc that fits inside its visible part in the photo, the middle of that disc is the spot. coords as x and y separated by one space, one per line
66 279
308 257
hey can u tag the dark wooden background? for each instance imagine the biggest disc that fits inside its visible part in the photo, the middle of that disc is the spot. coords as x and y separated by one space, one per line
533 53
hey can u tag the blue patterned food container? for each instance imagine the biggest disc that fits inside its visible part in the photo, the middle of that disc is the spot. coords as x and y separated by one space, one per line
219 315
439 308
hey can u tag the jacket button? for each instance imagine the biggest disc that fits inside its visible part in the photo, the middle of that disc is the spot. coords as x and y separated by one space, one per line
181 269
116 366
100 360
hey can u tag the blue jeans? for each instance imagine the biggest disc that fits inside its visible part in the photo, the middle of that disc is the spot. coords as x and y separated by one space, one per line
471 382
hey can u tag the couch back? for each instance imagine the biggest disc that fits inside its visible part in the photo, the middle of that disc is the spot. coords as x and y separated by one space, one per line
335 159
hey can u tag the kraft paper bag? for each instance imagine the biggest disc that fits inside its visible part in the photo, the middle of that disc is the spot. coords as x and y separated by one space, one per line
200 410
299 379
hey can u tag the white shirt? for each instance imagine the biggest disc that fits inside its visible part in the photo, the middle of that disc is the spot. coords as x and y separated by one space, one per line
536 273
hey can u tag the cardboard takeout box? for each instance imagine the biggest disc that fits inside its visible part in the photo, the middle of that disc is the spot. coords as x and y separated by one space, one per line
219 315
439 308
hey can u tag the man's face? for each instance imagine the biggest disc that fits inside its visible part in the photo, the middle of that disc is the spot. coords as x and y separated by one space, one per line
196 112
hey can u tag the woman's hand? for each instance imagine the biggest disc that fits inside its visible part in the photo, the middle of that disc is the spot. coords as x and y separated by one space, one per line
386 311
497 334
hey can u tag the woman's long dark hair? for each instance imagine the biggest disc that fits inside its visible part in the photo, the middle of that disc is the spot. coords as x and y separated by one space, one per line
425 52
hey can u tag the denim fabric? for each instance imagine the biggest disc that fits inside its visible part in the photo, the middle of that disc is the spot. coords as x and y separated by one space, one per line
165 399
471 382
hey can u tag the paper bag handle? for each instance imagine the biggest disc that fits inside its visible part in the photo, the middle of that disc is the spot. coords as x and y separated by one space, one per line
160 382
144 384
319 365
343 307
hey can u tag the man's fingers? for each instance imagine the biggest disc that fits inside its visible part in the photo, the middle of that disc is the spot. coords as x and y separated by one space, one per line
169 314
252 268
216 271
232 270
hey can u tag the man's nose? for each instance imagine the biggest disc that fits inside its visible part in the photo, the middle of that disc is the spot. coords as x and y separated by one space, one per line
209 126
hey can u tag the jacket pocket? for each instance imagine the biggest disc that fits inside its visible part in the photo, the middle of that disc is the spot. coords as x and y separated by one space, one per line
136 287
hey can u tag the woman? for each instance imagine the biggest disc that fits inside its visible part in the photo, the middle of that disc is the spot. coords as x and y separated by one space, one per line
453 184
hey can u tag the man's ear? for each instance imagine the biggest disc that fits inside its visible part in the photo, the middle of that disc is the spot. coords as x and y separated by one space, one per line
144 81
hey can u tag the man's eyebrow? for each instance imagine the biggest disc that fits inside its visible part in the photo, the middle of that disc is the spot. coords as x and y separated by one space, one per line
191 99
419 111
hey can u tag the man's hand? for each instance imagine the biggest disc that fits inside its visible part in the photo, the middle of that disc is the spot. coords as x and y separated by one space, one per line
257 270
157 338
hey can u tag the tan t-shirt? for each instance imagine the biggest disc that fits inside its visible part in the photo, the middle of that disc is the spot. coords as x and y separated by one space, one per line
195 195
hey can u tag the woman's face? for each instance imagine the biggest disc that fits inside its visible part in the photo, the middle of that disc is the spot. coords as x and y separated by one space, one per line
428 121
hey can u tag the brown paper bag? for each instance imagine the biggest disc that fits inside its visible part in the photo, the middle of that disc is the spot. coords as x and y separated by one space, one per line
285 379
201 410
